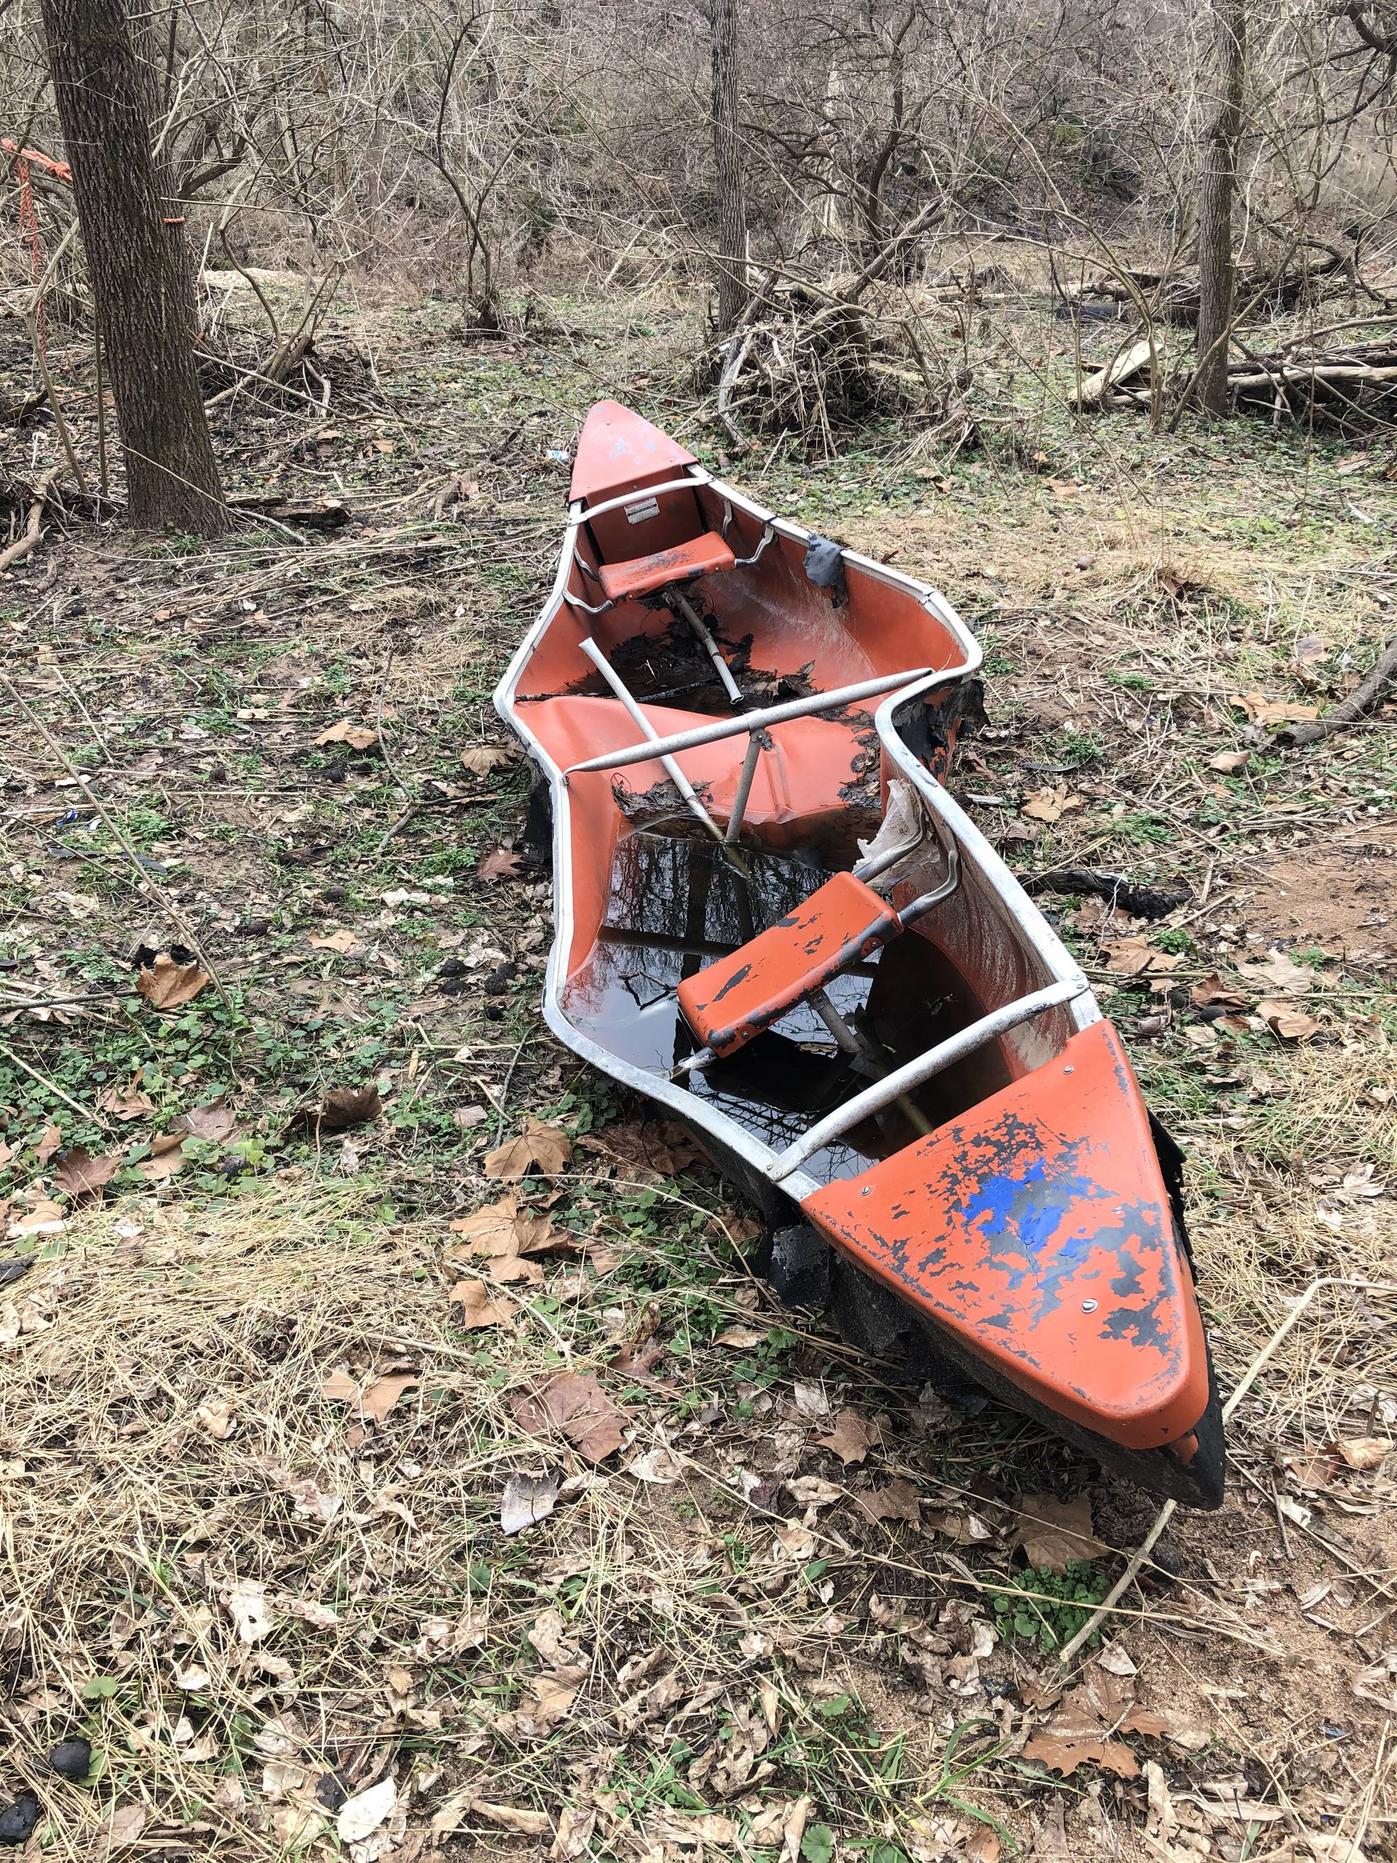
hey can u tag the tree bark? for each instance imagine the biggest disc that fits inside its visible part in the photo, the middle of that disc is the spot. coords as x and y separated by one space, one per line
731 264
1216 189
138 263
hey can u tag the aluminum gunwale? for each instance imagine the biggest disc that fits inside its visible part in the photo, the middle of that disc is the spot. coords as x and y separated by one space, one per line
684 1104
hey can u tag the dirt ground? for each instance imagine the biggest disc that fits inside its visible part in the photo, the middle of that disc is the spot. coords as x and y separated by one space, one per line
398 1456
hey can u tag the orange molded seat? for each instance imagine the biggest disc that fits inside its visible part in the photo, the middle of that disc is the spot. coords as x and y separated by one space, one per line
1036 1229
734 998
700 556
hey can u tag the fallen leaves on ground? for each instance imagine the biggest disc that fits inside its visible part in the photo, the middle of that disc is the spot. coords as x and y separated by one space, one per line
126 1102
852 1437
50 1141
504 1236
374 1399
526 1500
1084 1724
1264 711
899 1500
1229 762
1136 957
80 1175
575 1403
342 1108
1049 805
357 736
342 940
1286 1021
1056 1534
1280 973
502 864
359 1817
482 759
1363 1452
167 985
540 1147
214 1121
247 1606
478 1305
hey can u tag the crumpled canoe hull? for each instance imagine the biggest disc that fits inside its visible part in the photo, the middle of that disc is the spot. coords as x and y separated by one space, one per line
939 1096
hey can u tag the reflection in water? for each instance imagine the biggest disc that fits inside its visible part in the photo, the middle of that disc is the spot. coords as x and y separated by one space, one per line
677 901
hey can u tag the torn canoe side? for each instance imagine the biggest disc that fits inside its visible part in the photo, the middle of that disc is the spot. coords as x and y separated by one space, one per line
773 920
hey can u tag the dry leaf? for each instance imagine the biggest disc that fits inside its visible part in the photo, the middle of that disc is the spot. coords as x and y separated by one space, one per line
481 759
124 1826
1363 1451
512 1818
852 1437
378 1397
1228 762
898 1501
539 1146
1281 972
1066 1755
247 1606
478 1306
1049 805
358 737
1285 1020
217 1418
506 1228
81 1175
501 865
526 1500
341 1108
168 985
361 1815
581 1409
341 941
1264 711
1056 1533
213 1121
50 1140
1136 957
125 1103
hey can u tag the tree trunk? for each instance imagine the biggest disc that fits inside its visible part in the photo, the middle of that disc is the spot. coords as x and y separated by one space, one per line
138 263
731 265
1217 185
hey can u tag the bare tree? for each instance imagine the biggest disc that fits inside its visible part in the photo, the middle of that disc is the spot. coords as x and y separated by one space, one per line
138 263
1216 189
727 154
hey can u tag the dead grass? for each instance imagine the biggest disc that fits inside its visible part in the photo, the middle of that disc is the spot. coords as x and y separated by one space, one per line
709 1647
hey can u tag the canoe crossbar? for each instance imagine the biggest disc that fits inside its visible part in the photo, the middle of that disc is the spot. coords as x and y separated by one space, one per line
913 1074
751 721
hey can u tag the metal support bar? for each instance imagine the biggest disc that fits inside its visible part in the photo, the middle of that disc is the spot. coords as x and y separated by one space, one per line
744 788
671 768
746 562
926 1067
674 599
758 720
638 496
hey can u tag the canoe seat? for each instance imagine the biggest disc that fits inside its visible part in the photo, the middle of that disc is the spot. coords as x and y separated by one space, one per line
731 1000
643 575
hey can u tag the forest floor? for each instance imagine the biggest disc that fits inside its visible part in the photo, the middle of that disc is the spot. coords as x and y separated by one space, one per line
265 1387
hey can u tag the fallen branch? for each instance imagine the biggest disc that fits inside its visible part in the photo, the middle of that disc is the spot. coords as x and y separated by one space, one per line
1364 698
1141 902
25 544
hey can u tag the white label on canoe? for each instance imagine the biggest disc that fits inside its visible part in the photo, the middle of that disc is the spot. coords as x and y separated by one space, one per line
646 508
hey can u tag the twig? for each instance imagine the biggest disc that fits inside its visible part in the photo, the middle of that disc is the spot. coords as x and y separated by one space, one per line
24 545
83 1112
1350 711
1166 1513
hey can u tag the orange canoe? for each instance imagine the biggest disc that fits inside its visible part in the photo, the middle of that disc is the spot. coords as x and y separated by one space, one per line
772 919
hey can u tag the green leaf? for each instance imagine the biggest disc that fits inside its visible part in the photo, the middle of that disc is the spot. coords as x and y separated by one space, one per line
100 1688
817 1845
